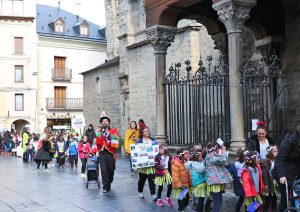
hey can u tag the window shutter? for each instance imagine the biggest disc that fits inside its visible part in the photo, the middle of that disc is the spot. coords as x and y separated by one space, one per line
18 45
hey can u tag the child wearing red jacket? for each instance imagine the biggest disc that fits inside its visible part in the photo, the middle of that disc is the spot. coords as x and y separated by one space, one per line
84 149
252 179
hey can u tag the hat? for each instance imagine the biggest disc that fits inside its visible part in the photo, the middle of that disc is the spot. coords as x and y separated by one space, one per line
103 115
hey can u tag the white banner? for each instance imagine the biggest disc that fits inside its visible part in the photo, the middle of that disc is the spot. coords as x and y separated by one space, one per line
142 155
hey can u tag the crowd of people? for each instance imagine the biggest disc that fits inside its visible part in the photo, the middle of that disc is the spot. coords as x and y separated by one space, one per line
196 173
259 175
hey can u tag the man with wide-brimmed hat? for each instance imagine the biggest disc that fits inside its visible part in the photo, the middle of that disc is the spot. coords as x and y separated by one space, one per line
107 140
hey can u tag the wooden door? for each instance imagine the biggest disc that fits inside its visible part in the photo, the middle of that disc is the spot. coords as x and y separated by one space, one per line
59 67
60 97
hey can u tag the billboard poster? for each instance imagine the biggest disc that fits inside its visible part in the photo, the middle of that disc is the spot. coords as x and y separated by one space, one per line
142 155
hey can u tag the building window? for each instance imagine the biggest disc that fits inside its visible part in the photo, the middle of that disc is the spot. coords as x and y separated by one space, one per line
59 26
18 45
19 76
84 30
12 7
98 85
19 102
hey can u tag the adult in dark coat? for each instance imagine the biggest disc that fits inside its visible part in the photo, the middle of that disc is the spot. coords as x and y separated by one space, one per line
43 152
90 133
261 139
287 163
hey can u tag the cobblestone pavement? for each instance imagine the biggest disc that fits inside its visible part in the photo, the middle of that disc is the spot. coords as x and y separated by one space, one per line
23 188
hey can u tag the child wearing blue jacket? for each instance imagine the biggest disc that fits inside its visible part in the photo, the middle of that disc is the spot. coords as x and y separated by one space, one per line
73 152
196 168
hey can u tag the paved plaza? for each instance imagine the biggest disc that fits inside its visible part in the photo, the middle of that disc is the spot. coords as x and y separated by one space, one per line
23 188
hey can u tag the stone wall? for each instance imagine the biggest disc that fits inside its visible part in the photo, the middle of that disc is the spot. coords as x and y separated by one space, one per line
101 91
291 62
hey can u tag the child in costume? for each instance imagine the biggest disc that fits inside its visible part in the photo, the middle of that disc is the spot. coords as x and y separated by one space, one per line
181 177
252 179
272 187
235 170
217 176
197 170
163 174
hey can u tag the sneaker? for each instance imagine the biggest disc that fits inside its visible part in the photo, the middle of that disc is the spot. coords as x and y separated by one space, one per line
132 174
141 195
105 191
47 170
168 202
82 175
159 203
154 197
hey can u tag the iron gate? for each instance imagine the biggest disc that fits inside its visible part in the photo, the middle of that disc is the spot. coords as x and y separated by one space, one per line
263 94
197 103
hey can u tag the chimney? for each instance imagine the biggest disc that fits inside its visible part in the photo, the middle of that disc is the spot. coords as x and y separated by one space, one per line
58 5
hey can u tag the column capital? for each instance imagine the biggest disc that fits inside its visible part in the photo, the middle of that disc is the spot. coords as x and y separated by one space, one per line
233 13
161 37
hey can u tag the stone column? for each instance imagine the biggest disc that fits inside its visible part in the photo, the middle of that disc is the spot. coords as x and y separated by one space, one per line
233 14
220 41
160 38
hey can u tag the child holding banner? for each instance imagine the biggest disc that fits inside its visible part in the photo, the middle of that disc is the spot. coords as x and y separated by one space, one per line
146 172
163 174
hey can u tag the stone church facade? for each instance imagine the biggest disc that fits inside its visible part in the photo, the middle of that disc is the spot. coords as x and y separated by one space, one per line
144 38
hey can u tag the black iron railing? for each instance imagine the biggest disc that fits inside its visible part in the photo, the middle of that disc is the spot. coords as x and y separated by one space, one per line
197 103
64 103
61 74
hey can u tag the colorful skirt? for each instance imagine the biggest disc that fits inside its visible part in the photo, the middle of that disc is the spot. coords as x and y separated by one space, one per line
200 190
274 191
214 189
146 170
249 200
177 192
163 180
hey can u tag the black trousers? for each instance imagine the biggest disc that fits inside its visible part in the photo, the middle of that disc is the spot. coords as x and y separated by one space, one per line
142 180
160 189
184 202
60 159
270 200
239 204
107 166
283 202
45 163
73 159
83 166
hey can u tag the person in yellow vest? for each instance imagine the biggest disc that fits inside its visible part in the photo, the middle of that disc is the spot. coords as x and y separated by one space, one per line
132 134
25 137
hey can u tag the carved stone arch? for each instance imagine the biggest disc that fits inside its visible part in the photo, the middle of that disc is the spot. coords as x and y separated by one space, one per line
211 25
259 30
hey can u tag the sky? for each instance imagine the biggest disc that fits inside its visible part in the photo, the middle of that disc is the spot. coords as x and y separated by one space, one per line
92 10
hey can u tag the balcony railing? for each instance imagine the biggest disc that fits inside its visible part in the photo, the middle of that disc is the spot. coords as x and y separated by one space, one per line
61 74
64 104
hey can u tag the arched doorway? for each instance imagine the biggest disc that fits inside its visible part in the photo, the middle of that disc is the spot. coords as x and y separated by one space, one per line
19 124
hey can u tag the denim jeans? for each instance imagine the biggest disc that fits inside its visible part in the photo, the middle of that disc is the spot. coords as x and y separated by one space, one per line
217 200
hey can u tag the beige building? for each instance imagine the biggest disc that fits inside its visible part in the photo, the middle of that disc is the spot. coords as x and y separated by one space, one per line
18 66
45 50
67 45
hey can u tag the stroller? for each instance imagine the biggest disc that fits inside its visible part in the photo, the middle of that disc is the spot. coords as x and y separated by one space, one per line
295 196
92 172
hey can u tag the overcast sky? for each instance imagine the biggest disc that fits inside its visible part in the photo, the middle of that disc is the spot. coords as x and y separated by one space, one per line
92 10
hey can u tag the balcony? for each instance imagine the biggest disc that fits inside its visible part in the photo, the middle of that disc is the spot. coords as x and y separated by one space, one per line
64 104
61 74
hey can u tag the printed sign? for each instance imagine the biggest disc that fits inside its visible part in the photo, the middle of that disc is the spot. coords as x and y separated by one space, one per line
78 122
142 155
254 126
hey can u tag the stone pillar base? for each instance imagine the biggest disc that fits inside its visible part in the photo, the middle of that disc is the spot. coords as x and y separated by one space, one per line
162 139
235 145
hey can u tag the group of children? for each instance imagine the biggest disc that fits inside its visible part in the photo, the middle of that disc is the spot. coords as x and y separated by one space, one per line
201 174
